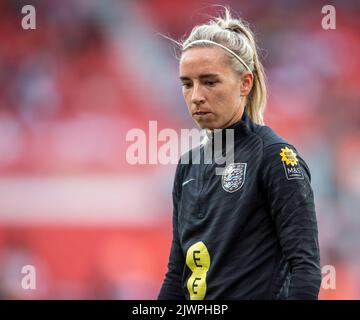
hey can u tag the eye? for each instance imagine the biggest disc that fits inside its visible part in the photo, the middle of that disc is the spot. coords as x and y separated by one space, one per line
186 85
211 83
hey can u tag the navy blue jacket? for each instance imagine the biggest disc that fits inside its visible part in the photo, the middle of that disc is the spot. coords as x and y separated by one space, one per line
250 233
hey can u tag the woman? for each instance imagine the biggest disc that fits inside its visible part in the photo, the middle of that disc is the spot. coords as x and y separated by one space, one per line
250 233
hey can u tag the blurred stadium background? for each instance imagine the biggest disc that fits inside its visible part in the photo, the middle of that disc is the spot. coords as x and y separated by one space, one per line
96 227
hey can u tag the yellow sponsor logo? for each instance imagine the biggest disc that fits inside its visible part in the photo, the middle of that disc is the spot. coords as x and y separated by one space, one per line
198 260
288 156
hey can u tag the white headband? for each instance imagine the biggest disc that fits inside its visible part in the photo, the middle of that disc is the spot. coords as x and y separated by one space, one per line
219 45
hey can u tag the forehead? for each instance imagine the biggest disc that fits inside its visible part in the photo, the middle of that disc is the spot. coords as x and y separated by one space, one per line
202 60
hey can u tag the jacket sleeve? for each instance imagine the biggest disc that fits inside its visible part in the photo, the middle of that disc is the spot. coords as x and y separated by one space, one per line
286 179
171 287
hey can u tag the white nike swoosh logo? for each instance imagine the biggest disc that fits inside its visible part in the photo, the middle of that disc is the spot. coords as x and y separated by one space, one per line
187 181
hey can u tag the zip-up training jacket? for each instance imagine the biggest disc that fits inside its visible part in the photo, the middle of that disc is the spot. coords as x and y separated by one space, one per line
250 233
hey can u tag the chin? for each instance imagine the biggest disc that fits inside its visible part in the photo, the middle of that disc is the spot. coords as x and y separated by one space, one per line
206 125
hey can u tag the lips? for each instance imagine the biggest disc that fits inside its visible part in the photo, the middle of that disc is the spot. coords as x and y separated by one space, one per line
201 113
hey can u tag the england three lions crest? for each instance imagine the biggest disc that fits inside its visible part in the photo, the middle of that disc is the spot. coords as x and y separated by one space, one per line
233 177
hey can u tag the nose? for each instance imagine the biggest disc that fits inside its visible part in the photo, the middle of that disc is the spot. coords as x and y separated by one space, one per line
197 95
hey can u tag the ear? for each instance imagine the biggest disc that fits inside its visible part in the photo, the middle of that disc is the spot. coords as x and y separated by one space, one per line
246 83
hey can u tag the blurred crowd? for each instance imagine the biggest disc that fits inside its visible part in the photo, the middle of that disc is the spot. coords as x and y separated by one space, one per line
71 89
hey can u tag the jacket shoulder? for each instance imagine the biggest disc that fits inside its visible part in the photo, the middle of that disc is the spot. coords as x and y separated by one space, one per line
269 137
274 145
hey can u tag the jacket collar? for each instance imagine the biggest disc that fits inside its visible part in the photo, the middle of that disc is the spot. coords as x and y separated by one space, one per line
241 128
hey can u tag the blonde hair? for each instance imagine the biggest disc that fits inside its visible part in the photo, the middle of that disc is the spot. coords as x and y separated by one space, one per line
236 35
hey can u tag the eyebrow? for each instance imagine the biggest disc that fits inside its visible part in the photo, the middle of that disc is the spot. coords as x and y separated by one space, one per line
203 76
